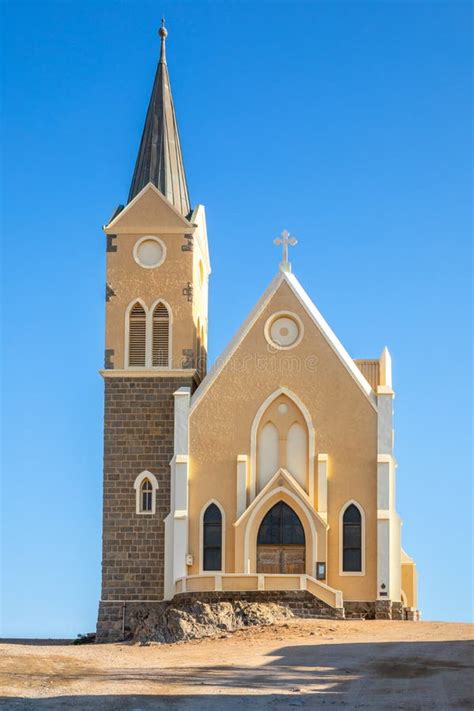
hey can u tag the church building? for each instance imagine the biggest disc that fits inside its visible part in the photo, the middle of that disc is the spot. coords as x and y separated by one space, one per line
270 477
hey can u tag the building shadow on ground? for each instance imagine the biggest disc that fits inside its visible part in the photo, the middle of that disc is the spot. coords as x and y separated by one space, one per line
392 675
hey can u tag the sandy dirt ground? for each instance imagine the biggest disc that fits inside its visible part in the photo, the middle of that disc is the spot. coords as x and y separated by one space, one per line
308 664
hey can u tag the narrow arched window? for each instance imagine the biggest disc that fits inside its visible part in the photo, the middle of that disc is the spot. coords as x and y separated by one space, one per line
352 540
212 538
296 453
137 337
146 486
146 496
161 337
268 453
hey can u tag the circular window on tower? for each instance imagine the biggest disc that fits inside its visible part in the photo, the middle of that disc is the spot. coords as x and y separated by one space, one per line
284 330
149 252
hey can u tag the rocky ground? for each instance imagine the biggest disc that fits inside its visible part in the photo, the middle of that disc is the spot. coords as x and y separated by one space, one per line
309 664
179 624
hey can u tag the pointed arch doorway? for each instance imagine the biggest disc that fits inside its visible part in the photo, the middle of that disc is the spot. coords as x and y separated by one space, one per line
281 545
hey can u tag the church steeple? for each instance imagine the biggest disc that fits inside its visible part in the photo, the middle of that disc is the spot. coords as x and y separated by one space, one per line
159 159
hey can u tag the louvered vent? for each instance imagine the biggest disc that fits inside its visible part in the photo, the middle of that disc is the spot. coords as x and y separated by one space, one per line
137 336
370 369
161 340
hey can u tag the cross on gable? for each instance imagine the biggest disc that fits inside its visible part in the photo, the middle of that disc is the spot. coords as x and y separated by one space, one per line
285 240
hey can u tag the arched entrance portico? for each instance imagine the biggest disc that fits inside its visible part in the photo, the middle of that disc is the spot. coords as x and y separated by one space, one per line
281 542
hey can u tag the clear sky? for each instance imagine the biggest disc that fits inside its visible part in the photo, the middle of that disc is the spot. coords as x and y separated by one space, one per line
347 123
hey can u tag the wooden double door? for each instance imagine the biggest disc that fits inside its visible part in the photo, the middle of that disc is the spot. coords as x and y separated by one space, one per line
281 542
281 559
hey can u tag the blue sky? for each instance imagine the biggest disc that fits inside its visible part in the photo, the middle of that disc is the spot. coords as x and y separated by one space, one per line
347 123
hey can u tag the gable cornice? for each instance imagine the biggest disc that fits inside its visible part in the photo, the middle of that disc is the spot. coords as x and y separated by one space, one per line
186 225
273 486
234 343
315 316
330 336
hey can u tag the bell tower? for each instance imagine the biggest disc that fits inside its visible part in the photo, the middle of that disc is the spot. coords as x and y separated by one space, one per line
155 344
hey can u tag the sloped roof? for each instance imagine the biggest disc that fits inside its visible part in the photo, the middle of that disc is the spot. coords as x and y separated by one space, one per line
159 159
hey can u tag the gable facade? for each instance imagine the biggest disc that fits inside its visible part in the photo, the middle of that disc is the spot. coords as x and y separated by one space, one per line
327 400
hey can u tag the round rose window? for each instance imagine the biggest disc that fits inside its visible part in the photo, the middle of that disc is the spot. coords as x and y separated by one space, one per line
283 330
149 252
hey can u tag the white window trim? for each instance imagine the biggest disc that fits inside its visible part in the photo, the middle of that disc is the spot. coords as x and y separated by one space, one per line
148 335
153 238
201 538
274 317
253 439
348 573
138 490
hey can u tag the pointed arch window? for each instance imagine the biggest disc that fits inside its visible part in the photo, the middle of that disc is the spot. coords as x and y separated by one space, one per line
296 453
268 453
146 486
352 540
161 337
137 337
212 538
146 496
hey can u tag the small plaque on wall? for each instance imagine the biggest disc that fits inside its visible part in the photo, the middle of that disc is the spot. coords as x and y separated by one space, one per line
320 571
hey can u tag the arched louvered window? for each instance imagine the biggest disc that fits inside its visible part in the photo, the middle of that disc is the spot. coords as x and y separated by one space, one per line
146 496
161 337
212 538
137 337
352 540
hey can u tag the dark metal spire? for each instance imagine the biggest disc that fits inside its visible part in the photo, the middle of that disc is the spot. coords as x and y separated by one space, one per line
159 159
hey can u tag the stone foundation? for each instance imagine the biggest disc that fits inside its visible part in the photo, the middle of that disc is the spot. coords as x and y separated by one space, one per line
376 610
397 611
300 602
118 620
359 610
110 622
383 609
411 614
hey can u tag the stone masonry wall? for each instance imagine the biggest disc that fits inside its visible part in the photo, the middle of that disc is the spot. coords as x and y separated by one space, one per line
138 435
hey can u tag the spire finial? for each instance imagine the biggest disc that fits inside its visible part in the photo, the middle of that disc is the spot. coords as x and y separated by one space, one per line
163 33
285 240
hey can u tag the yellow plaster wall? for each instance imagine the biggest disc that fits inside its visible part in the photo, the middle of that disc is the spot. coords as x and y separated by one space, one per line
409 584
130 281
239 583
345 428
